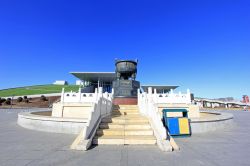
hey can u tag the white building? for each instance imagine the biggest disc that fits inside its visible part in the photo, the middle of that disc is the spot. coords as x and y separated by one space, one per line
79 82
60 82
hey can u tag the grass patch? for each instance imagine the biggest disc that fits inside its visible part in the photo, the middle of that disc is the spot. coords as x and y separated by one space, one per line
39 89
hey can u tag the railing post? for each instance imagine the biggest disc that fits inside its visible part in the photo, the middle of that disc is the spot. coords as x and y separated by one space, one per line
79 93
155 96
100 95
96 96
62 96
112 91
149 90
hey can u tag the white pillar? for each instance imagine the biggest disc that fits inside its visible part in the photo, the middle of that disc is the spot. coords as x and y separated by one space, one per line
62 95
79 93
100 91
112 91
150 90
98 83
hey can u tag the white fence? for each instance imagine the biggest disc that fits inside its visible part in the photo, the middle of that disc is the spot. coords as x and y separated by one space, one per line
171 97
148 106
102 107
76 97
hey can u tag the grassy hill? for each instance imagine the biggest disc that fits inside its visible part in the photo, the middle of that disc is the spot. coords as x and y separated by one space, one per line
39 89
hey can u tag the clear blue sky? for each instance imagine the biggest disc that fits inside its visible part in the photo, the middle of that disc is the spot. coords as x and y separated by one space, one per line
201 45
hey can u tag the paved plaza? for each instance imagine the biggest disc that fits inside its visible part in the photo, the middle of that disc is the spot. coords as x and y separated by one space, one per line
23 147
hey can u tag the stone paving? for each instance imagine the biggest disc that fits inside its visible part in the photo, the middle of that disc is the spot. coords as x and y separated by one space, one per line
23 147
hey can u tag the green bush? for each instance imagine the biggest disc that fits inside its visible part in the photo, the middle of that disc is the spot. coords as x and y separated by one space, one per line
26 100
19 99
43 98
2 100
8 102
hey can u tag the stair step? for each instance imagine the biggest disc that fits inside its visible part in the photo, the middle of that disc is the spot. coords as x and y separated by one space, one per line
141 125
125 113
122 107
123 120
133 116
125 110
121 140
122 132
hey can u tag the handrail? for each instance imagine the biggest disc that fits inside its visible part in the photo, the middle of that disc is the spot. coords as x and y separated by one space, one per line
147 104
102 108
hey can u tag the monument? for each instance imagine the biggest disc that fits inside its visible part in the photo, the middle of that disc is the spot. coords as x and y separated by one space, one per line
125 86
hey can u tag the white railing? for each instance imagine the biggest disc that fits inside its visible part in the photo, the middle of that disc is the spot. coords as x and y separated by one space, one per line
76 97
102 107
171 97
148 108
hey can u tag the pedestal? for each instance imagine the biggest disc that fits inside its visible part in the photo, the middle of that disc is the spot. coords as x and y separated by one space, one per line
125 88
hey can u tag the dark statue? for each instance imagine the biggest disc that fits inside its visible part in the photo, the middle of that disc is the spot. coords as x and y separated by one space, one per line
125 84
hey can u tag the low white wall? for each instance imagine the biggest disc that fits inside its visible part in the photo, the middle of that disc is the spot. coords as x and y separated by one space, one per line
75 120
51 124
206 124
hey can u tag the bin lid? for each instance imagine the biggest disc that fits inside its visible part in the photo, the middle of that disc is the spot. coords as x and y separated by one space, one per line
174 110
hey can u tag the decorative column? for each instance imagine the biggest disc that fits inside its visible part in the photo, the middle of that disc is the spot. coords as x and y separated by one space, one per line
62 96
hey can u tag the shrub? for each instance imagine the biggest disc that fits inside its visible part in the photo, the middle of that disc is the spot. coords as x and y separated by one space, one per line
26 100
43 98
2 100
19 99
7 102
25 97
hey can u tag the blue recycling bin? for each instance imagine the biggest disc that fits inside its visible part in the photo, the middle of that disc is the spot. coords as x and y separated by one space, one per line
177 126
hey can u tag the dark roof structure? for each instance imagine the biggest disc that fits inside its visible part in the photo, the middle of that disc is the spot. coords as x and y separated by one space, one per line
95 76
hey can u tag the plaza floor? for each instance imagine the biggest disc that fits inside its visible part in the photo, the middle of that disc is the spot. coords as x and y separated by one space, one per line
23 147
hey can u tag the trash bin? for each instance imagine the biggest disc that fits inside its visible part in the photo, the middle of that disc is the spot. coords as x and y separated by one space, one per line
177 126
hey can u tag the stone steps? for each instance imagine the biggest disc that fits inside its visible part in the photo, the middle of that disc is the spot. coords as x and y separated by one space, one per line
128 110
121 140
124 107
124 126
119 120
124 113
144 132
141 125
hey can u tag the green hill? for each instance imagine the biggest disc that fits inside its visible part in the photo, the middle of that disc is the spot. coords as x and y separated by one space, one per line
38 89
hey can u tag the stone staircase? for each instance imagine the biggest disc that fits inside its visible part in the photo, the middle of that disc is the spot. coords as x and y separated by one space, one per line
124 126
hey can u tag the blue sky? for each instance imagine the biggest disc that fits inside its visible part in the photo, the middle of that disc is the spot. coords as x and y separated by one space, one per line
200 45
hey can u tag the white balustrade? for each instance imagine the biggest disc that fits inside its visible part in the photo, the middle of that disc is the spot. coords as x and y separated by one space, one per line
172 97
148 106
78 97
